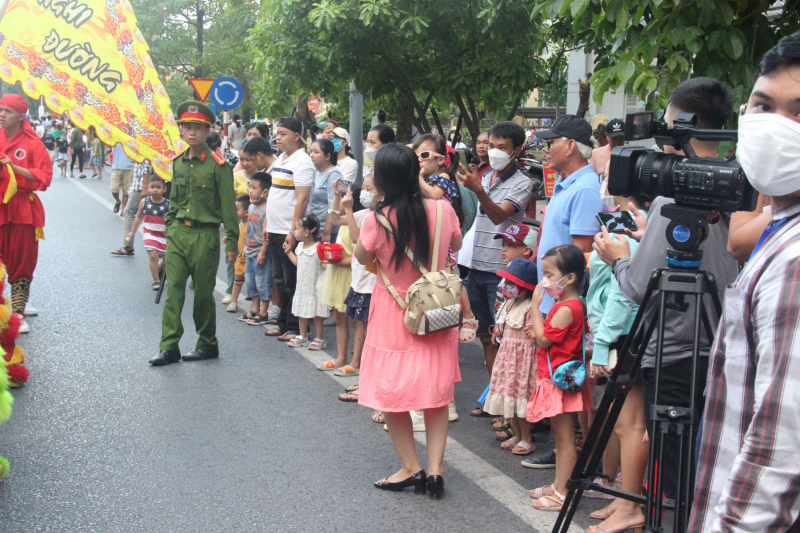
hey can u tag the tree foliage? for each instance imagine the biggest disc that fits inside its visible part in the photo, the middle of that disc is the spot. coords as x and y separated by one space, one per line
653 45
181 50
478 54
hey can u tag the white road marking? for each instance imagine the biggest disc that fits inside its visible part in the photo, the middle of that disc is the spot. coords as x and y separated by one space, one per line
494 482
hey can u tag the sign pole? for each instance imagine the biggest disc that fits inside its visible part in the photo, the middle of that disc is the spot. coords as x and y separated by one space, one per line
357 129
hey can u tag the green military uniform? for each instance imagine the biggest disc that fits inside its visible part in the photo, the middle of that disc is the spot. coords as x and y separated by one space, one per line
202 198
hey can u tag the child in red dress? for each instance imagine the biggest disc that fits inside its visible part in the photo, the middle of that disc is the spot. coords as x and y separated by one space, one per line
561 339
152 210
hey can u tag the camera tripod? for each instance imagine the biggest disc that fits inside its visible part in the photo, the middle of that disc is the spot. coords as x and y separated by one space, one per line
675 284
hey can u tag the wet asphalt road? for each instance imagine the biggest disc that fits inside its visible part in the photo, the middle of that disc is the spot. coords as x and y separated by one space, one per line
255 441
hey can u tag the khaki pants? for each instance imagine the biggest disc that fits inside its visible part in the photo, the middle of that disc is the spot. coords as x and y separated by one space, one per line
121 181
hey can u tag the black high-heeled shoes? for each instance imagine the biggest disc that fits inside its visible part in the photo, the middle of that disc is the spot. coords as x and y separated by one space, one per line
417 481
435 485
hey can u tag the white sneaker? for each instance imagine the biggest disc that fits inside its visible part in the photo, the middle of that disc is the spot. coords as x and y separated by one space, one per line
418 420
24 327
232 307
452 415
227 299
30 310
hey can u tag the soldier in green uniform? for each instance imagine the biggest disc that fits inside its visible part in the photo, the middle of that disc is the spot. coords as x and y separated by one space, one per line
202 198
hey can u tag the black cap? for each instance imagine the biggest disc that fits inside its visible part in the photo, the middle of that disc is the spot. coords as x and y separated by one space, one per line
569 126
615 128
292 124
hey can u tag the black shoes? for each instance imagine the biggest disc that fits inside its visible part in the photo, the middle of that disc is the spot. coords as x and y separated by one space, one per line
199 354
417 481
166 357
116 206
435 486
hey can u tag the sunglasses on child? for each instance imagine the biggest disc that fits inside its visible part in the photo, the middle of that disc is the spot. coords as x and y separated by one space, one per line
424 156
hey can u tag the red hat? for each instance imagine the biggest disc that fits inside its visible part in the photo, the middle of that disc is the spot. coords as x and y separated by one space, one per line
15 102
517 234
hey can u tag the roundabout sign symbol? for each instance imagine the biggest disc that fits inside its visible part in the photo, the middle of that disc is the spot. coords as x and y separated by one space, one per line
226 93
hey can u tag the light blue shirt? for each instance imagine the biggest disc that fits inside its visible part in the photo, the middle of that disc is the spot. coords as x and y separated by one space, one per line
571 211
121 160
322 196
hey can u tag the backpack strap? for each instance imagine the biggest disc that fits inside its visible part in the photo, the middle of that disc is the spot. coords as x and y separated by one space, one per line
392 290
436 238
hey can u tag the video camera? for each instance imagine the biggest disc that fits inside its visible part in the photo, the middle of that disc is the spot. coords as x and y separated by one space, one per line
694 182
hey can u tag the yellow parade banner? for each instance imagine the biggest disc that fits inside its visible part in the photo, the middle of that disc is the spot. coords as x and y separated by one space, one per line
88 59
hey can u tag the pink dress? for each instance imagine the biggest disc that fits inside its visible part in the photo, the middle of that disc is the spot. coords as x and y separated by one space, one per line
514 371
400 371
548 399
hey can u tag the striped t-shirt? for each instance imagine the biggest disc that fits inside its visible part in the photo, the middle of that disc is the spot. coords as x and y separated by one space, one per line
287 172
155 233
514 187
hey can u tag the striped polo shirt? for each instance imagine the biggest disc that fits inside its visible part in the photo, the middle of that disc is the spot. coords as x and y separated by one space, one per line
287 172
513 187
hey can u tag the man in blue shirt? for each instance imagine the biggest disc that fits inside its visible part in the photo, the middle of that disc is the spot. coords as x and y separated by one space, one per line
121 177
570 216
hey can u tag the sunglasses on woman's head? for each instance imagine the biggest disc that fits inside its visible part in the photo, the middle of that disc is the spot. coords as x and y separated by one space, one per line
424 156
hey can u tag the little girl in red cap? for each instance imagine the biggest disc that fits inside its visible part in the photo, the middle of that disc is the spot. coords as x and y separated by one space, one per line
514 373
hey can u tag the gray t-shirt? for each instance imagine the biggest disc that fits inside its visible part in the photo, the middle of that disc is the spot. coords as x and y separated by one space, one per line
514 187
633 275
256 215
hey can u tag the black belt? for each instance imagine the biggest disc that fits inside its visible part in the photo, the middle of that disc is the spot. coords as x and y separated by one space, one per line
194 224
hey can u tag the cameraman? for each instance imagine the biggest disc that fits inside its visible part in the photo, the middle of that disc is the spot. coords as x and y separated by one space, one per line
748 476
712 103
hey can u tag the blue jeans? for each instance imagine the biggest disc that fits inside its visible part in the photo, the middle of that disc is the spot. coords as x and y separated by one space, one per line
482 293
258 278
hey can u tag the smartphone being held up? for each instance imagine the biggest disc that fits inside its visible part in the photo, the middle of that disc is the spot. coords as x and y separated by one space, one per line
617 222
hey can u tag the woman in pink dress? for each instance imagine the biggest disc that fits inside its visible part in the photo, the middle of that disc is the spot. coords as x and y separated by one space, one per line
401 372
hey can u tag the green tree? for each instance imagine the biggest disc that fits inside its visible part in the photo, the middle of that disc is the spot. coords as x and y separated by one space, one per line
198 39
476 55
653 45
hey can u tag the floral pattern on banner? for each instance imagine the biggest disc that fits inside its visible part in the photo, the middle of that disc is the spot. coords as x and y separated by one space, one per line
91 62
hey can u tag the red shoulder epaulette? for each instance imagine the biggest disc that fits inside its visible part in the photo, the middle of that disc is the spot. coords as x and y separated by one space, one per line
218 158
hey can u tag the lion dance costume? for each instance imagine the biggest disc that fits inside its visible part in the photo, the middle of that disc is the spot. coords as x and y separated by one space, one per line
21 211
13 356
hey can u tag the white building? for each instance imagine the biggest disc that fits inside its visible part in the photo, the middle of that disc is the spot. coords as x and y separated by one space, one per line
614 104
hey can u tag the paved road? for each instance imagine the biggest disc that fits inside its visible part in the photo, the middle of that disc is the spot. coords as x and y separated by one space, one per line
254 441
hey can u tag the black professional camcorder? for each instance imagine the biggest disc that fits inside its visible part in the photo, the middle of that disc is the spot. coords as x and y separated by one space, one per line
694 182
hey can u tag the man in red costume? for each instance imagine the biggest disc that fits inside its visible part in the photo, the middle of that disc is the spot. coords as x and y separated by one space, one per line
25 168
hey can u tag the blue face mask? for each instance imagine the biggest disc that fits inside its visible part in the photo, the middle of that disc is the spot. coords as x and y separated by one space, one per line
337 144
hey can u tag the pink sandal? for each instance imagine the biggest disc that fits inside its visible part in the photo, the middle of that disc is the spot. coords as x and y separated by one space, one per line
510 443
317 344
467 334
524 448
550 502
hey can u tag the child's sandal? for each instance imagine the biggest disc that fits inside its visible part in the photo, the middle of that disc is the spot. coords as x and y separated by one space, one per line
318 344
467 332
298 342
550 502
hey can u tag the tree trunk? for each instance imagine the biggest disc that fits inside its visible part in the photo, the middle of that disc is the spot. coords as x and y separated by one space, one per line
438 122
584 90
302 111
405 118
198 70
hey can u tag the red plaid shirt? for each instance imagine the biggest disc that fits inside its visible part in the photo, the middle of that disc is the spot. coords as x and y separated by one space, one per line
748 476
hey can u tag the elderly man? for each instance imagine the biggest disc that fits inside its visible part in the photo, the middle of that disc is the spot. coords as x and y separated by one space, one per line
25 168
570 216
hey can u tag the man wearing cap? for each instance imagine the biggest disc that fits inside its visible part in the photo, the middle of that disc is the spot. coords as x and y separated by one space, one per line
570 216
202 197
292 179
25 168
346 164
615 136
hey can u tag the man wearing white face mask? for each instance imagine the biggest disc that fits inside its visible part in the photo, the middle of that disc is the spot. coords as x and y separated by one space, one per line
503 194
748 474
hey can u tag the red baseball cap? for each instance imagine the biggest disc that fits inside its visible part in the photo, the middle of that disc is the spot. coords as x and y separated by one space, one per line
518 235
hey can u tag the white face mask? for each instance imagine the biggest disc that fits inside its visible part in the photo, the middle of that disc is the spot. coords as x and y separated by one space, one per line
498 159
367 199
370 152
769 152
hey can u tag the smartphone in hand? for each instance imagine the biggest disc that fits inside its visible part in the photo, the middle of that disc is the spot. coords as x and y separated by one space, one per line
617 222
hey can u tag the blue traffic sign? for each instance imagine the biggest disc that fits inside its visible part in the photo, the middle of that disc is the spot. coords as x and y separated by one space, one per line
226 93
213 109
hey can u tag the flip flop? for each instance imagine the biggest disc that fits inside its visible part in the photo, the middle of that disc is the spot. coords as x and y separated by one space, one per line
345 371
120 253
351 389
348 397
288 336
